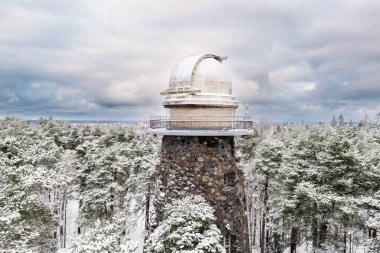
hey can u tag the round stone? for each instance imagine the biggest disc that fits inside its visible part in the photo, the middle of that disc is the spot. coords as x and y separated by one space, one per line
205 178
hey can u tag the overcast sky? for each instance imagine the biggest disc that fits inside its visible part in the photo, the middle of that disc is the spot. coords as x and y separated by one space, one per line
291 60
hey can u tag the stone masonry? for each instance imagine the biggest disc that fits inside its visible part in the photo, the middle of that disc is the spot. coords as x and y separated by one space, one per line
205 166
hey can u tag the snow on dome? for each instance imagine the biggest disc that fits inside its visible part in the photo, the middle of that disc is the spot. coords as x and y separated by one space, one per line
205 72
204 79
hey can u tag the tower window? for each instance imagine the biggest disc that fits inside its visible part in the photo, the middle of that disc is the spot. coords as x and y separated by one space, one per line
229 243
229 179
209 142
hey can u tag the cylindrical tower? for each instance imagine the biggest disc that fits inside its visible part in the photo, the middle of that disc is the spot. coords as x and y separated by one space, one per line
198 149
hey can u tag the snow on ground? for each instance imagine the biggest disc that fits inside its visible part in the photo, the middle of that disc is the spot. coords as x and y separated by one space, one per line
71 223
63 251
307 248
72 216
72 227
139 234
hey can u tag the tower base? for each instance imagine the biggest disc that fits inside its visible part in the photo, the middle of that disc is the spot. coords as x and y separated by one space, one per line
205 166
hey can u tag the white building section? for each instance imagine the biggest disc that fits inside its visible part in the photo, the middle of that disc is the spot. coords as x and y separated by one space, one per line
200 80
199 100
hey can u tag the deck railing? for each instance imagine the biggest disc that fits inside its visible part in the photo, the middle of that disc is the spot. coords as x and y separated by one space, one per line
201 122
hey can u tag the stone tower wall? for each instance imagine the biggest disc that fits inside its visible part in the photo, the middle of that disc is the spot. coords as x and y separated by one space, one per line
199 165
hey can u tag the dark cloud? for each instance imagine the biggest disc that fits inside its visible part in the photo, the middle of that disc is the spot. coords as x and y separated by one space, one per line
291 60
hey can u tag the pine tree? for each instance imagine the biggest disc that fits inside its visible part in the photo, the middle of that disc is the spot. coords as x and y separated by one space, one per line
27 175
341 120
114 170
105 236
187 227
264 169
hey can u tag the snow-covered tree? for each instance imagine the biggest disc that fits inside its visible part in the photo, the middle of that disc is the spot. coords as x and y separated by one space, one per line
187 227
105 236
315 184
27 175
40 165
110 167
341 120
265 166
113 174
323 191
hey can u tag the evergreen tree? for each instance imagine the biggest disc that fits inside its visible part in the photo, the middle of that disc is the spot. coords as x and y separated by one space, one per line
266 164
187 227
341 120
27 175
105 236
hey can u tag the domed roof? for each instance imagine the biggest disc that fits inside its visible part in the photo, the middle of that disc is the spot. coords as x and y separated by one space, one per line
201 76
205 72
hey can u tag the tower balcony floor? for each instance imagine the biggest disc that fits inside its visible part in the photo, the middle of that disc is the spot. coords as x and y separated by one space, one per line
200 132
201 125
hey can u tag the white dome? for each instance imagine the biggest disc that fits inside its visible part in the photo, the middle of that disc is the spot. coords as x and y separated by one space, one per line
205 72
200 80
212 76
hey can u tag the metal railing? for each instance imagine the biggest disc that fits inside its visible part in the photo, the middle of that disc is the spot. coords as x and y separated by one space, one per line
201 122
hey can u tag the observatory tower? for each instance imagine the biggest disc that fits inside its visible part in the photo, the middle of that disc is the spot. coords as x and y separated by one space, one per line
198 148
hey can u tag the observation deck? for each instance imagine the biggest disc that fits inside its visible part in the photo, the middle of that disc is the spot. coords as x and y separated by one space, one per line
199 101
201 125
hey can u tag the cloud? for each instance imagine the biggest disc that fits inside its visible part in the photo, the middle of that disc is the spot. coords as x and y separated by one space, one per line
291 60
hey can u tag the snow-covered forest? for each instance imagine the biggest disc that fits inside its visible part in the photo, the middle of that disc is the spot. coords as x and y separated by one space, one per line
308 188
42 166
313 188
